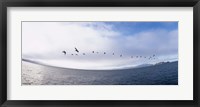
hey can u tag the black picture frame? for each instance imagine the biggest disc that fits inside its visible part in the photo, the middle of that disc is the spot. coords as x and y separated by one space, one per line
99 3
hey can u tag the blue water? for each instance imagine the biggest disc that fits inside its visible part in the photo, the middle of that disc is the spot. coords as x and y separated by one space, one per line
163 74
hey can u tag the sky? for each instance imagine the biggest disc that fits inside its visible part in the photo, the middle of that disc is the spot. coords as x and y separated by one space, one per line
44 42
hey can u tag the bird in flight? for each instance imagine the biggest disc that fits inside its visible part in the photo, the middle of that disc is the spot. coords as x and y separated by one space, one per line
76 50
149 58
64 52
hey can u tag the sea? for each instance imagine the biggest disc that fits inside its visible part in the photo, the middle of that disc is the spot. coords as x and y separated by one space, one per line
160 74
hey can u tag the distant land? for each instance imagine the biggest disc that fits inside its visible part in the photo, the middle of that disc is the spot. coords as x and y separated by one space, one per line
129 67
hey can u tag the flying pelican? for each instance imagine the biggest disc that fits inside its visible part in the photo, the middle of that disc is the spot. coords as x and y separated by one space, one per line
64 52
76 50
104 53
149 57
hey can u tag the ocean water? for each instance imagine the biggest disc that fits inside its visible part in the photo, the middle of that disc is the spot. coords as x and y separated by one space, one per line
36 74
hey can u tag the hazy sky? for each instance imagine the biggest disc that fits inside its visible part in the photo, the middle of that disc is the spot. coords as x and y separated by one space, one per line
45 41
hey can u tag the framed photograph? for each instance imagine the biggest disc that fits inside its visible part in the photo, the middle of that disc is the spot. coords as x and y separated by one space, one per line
91 53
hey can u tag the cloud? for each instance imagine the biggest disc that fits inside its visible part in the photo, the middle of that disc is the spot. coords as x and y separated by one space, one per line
45 41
